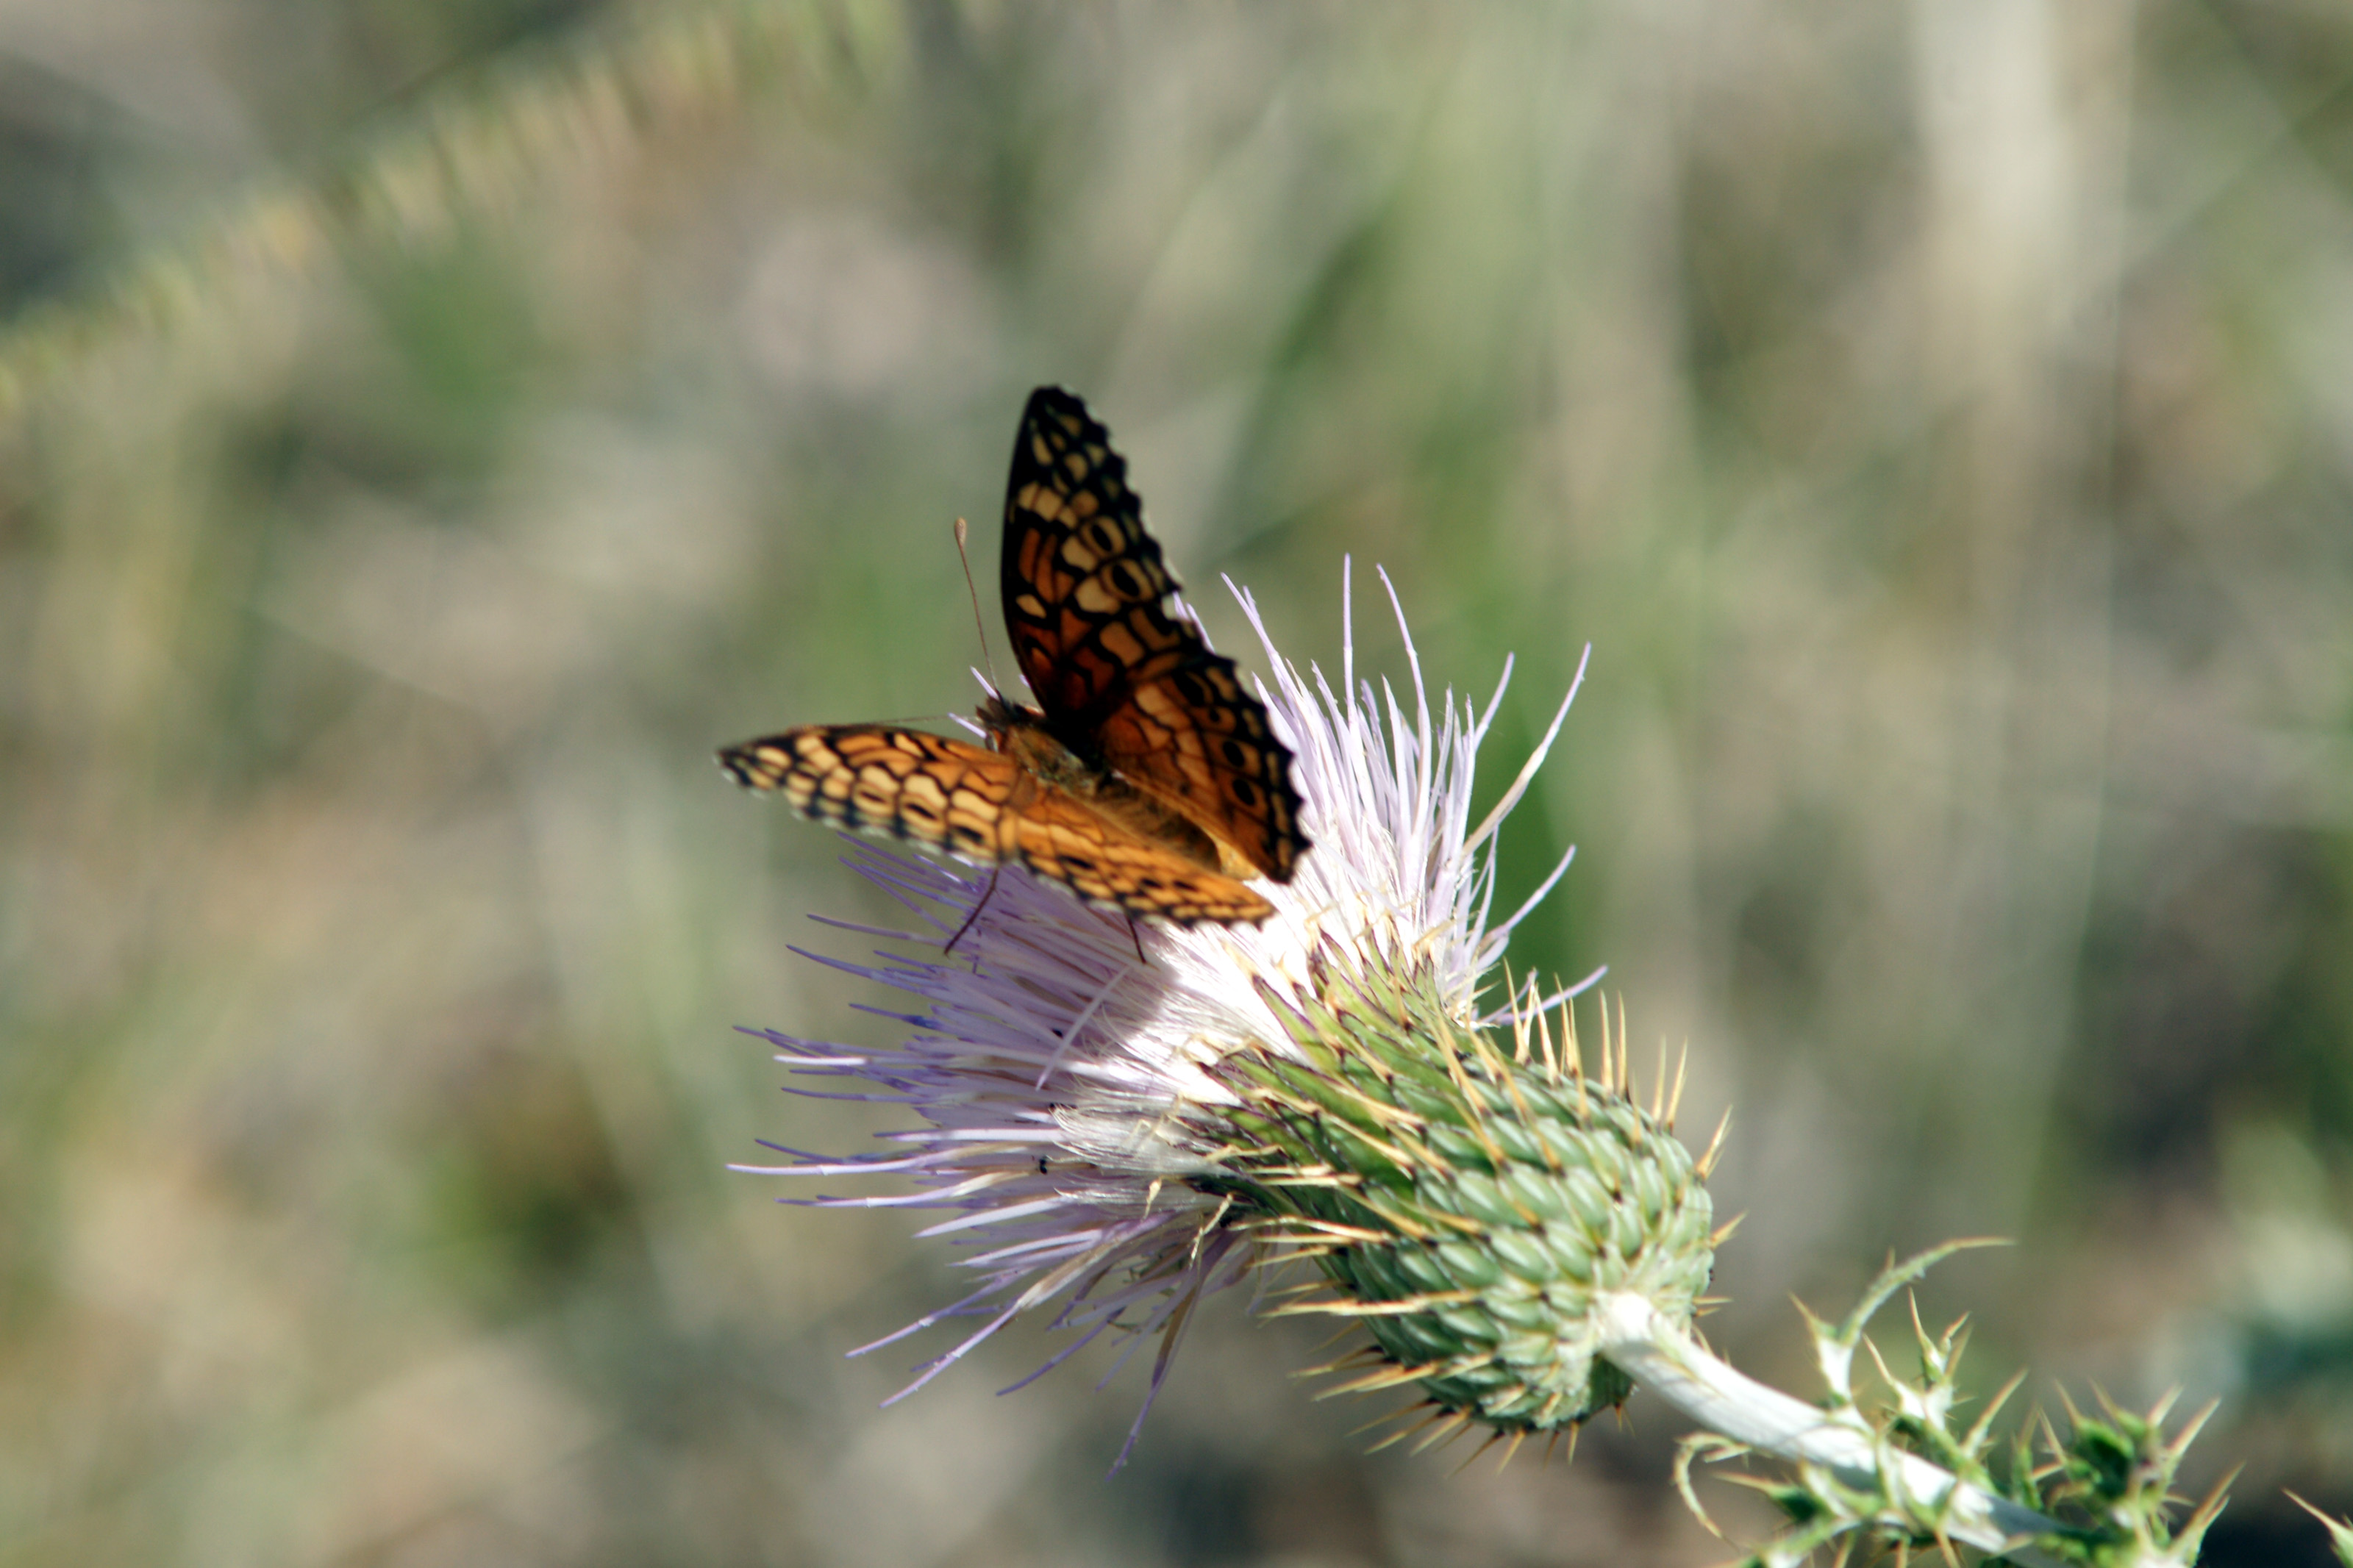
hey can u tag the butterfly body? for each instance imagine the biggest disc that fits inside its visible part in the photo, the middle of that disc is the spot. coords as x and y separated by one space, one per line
1145 779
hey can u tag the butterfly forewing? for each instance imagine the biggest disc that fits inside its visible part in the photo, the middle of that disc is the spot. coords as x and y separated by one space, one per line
1120 678
981 806
877 778
1085 587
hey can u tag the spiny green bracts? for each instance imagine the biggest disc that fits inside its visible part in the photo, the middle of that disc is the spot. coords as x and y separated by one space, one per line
1468 1205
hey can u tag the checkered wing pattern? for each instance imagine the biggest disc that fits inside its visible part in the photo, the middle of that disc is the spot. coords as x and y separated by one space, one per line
1123 680
982 806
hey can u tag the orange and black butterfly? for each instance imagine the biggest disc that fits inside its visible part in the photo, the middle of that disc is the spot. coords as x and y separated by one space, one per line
1146 780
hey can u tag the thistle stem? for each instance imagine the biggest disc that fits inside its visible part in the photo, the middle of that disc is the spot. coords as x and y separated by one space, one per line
1659 1356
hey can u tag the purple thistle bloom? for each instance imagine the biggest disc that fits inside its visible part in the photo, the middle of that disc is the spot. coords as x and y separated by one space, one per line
1073 1116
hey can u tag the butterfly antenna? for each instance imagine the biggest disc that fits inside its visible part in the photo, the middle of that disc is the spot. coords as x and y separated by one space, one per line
979 624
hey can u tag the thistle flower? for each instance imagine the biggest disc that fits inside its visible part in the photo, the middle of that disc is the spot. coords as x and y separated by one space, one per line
1128 1121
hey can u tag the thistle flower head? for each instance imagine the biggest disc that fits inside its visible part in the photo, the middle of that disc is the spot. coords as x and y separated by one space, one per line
1126 1121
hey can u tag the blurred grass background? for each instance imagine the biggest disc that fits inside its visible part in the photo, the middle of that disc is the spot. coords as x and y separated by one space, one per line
433 424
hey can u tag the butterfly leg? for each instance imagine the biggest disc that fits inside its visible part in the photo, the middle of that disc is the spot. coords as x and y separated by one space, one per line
1137 937
979 904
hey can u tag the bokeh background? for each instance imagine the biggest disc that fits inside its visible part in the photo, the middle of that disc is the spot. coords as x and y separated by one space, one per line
431 425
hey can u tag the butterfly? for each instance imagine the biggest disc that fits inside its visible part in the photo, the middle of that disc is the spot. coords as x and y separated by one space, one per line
1145 779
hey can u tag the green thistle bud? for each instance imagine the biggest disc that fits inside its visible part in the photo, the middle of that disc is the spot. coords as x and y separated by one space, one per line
1468 1206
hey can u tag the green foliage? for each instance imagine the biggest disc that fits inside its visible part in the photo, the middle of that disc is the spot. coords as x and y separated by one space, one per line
430 427
2105 1486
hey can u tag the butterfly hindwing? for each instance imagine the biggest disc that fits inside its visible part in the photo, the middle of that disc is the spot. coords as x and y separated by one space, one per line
1196 740
1058 837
